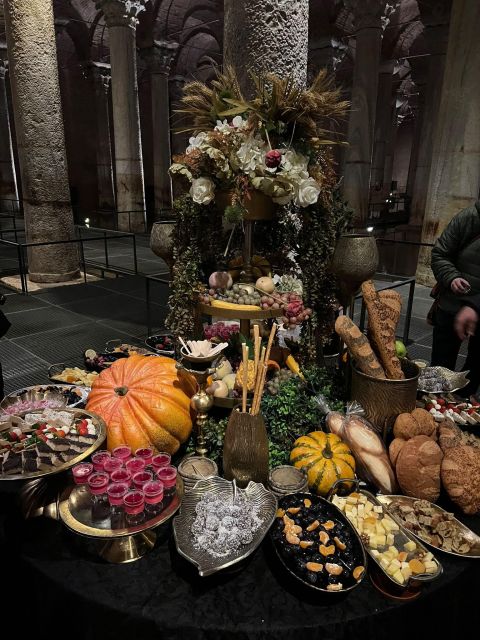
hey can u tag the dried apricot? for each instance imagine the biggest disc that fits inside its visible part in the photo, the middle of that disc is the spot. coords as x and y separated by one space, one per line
324 537
327 551
358 572
333 569
292 538
314 525
293 510
304 544
328 525
416 566
314 566
339 544
280 513
307 503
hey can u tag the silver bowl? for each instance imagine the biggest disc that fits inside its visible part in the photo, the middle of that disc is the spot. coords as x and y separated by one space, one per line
41 392
207 564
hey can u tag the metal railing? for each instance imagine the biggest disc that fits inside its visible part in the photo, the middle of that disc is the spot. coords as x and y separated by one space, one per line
21 249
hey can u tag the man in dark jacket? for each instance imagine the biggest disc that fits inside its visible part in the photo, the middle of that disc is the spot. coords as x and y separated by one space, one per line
456 266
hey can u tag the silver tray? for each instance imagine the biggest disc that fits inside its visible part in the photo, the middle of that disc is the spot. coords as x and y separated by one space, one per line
458 379
182 524
101 430
41 392
468 533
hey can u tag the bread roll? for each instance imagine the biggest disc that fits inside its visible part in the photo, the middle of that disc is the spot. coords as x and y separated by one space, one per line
426 422
449 436
461 477
418 468
394 449
359 347
406 426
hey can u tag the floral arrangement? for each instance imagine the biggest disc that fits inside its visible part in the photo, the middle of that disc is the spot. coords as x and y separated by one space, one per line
221 331
277 143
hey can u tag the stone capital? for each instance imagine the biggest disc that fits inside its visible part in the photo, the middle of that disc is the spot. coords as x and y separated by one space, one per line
160 56
367 14
121 13
100 73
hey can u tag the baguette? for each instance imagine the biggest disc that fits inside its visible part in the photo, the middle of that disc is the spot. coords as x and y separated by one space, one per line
359 347
382 323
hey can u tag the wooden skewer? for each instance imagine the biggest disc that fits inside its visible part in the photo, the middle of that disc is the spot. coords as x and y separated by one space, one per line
245 377
258 378
258 395
256 347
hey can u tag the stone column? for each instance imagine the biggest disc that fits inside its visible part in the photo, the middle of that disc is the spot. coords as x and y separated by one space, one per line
121 20
179 140
390 145
8 178
356 183
455 171
383 123
419 76
100 73
40 138
159 59
266 36
436 19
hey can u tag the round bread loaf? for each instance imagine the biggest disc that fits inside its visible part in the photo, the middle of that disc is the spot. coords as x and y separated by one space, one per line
418 468
406 426
449 435
426 422
461 477
394 449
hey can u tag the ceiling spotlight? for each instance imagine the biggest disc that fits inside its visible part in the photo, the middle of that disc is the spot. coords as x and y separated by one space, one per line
369 229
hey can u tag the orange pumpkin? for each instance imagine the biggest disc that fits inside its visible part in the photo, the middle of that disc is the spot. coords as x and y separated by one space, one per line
144 402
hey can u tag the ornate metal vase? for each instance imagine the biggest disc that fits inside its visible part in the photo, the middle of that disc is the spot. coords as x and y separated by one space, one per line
354 261
161 241
245 449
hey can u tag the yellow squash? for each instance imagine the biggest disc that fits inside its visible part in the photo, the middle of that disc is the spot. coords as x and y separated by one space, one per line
325 458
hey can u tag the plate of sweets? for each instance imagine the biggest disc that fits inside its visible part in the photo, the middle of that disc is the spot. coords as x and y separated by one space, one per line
41 396
48 441
71 375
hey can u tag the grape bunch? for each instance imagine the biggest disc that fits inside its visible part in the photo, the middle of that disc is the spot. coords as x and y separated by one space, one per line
273 385
291 306
238 294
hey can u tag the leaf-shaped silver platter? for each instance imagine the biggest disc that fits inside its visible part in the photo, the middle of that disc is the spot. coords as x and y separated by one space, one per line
456 379
207 564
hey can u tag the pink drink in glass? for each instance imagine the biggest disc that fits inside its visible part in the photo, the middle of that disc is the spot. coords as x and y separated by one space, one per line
98 483
134 502
168 475
112 464
160 460
81 472
140 478
145 454
116 491
122 452
99 458
153 491
134 465
121 475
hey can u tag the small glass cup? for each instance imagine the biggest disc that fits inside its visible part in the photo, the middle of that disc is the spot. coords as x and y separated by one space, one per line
98 483
168 475
99 459
134 465
134 505
153 491
122 452
160 460
81 472
140 478
116 491
121 475
112 464
146 454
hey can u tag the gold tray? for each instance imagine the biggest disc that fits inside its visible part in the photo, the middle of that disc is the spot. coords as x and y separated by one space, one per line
78 413
119 545
468 533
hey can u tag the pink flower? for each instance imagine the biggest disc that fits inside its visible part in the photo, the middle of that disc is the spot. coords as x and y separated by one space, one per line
273 158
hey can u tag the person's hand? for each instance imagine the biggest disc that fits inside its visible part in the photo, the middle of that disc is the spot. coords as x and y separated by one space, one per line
466 322
459 286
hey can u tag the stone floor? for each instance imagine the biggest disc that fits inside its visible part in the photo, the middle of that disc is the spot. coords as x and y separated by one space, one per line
57 325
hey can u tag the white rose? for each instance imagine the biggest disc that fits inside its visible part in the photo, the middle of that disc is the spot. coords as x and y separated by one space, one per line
239 123
307 192
202 190
196 142
294 162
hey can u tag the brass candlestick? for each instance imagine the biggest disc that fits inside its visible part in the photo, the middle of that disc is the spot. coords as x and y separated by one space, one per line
201 402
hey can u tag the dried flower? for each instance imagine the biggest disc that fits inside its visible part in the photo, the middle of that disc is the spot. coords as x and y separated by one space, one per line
273 158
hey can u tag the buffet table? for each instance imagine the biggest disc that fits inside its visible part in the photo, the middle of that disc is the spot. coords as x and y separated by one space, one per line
59 588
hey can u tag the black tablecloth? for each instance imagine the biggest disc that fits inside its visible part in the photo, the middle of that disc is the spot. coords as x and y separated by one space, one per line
57 589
